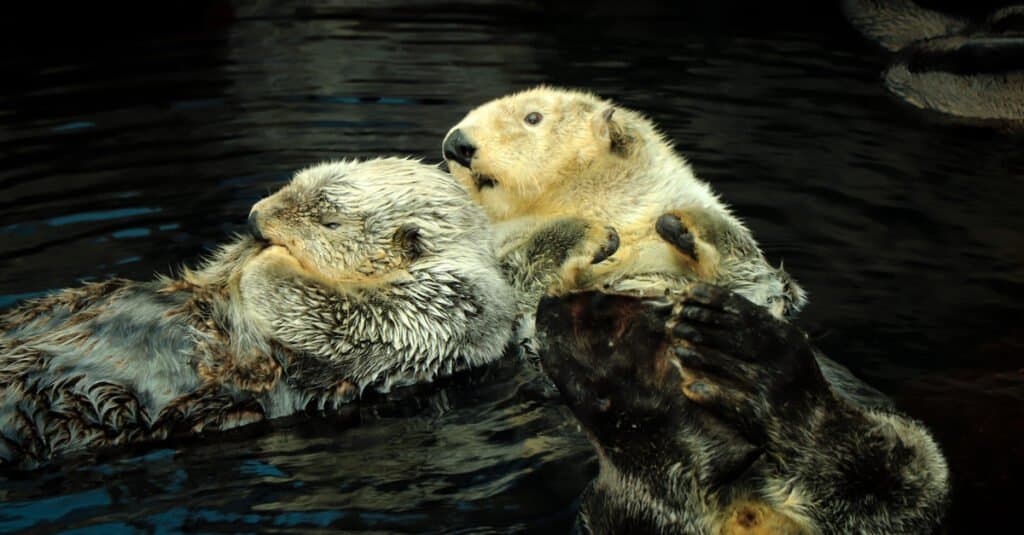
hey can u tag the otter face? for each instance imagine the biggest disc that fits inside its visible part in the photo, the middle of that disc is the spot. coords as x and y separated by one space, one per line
512 151
346 220
384 270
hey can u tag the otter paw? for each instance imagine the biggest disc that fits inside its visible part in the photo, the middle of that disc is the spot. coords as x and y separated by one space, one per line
598 244
274 259
740 362
672 230
608 248
346 391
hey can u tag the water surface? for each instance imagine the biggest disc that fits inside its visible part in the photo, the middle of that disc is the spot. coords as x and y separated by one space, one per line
130 153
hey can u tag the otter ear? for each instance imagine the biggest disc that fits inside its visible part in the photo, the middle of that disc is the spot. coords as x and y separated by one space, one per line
607 128
408 239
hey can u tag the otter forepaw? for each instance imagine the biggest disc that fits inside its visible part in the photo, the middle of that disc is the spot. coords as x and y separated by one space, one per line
608 248
671 229
274 259
346 391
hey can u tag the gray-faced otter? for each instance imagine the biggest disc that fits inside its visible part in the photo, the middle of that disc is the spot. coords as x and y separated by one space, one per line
357 275
710 416
546 154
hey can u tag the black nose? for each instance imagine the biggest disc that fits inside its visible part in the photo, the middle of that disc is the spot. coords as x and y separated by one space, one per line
457 147
254 226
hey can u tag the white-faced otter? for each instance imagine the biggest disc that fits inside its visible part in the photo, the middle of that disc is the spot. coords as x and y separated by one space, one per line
357 275
547 153
710 416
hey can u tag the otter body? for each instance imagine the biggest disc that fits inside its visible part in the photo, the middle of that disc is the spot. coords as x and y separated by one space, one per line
965 68
978 76
710 416
546 153
357 275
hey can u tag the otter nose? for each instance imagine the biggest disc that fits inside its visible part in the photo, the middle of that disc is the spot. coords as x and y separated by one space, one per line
254 225
457 147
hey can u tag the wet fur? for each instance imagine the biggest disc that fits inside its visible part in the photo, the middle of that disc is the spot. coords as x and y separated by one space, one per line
539 255
895 24
971 69
710 416
304 318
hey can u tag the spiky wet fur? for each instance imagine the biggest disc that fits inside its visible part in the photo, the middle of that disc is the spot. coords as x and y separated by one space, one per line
263 329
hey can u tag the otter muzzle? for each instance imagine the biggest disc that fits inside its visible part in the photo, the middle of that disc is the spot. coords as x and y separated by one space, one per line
254 226
458 148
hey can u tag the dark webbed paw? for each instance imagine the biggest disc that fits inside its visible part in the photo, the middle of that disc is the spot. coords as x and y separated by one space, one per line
566 238
742 363
672 230
610 246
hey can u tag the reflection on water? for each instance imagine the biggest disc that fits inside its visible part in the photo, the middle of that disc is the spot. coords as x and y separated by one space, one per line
486 450
129 159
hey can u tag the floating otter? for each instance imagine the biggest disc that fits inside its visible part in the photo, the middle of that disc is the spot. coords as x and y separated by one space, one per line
710 416
357 275
546 153
978 76
960 67
894 24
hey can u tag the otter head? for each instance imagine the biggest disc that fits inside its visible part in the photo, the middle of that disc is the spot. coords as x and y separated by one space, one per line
525 148
383 271
347 227
612 360
347 220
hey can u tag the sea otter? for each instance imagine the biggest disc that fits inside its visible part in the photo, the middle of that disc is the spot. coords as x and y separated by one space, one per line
548 153
355 276
711 416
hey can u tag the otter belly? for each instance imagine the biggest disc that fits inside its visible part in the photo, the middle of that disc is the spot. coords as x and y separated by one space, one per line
648 263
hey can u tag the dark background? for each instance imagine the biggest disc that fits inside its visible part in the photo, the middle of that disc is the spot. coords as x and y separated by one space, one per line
135 136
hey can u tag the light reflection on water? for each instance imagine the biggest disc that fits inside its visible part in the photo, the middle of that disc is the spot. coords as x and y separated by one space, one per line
126 161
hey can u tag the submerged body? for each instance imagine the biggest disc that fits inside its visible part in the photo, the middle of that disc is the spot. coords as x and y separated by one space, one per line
357 275
710 416
894 24
972 69
544 154
974 76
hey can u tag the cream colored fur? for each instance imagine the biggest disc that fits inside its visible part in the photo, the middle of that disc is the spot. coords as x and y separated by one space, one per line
590 158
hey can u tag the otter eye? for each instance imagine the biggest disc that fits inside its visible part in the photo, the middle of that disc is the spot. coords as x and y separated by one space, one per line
533 118
331 226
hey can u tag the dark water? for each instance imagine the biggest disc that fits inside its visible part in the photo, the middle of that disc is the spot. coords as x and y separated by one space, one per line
131 149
